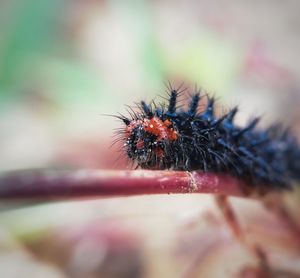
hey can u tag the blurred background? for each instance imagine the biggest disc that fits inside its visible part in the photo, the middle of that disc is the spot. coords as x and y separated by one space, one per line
63 64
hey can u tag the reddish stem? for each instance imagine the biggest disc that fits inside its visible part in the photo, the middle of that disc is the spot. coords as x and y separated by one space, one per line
52 185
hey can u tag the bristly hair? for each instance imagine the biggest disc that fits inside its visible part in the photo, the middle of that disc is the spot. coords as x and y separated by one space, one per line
165 137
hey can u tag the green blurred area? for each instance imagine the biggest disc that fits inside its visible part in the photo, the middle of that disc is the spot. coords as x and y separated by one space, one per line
29 31
39 50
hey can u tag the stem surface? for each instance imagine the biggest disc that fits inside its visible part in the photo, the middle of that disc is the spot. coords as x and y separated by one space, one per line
53 185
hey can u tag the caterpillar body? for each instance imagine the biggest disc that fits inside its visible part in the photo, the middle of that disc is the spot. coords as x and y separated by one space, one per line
165 137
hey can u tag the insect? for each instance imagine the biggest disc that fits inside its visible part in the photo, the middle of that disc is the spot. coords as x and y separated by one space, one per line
166 137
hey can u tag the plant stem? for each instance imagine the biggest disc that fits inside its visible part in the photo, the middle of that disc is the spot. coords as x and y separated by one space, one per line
55 185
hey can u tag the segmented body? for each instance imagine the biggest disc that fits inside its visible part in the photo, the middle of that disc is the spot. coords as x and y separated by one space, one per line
169 138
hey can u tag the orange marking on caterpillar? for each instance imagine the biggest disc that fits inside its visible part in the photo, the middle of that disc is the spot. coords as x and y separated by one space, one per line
161 129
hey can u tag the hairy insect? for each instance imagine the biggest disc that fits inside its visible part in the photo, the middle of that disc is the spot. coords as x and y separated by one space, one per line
165 137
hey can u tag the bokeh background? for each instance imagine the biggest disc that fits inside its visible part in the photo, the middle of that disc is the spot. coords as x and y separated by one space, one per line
64 64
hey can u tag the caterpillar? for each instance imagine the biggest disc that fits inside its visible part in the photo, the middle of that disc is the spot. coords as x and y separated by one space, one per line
166 137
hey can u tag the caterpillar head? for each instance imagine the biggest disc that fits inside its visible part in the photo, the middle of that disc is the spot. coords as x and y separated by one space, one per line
147 141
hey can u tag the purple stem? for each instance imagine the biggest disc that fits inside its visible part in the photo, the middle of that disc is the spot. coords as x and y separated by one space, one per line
54 185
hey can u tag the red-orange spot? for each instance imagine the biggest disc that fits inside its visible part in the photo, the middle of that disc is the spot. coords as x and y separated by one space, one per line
167 123
161 129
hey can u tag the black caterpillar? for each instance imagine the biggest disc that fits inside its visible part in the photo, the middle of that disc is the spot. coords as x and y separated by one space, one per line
167 138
